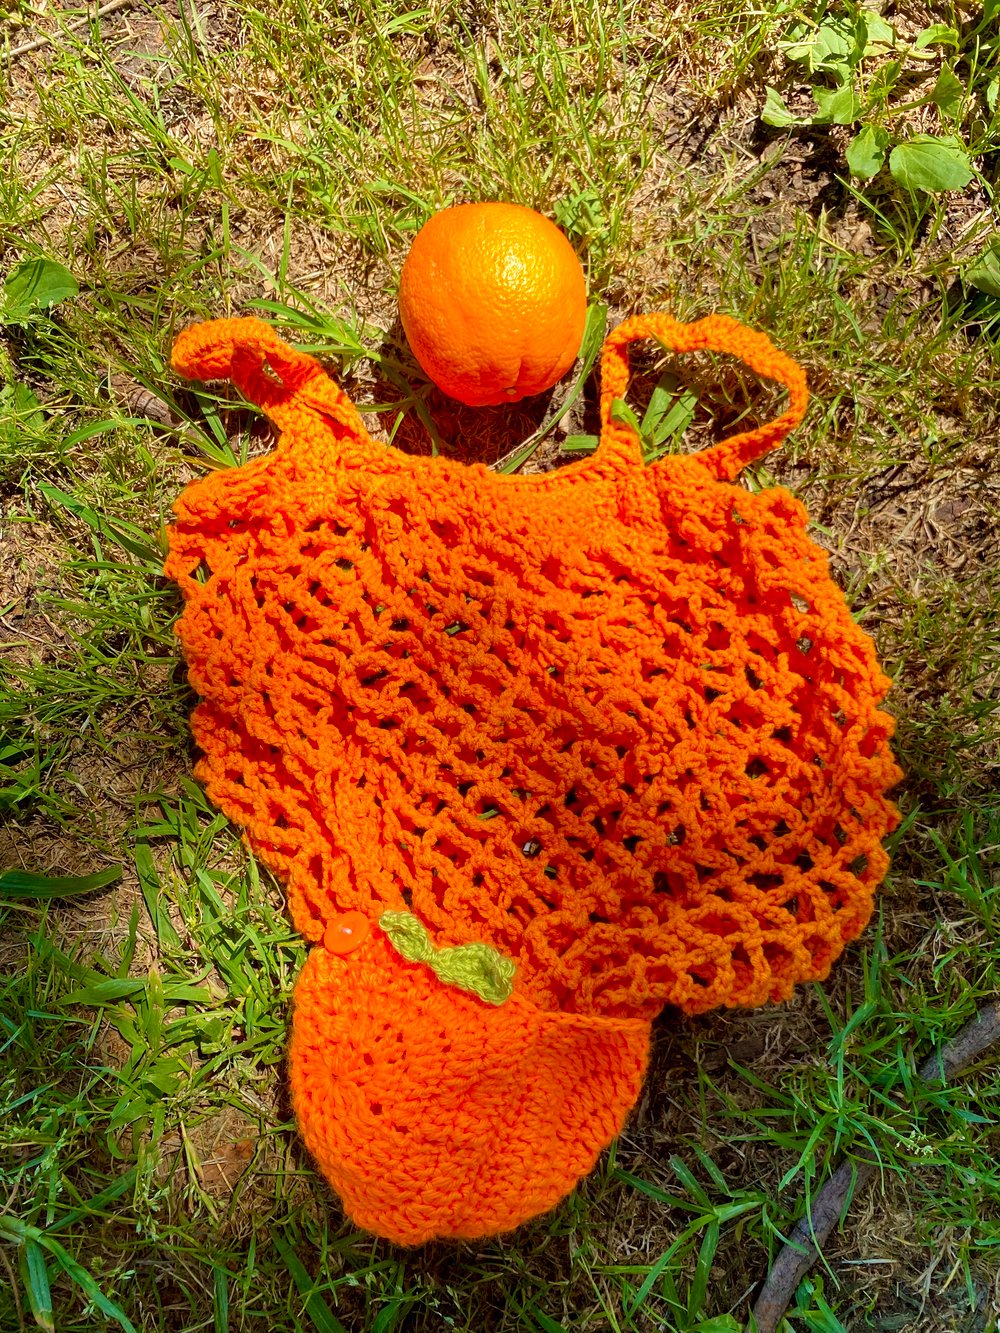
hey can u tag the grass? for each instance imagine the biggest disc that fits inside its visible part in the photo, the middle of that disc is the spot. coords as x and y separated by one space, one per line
189 162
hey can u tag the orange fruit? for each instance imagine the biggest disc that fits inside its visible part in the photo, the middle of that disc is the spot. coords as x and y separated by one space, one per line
493 302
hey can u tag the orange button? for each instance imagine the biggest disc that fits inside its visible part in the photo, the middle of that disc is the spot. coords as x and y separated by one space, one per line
345 933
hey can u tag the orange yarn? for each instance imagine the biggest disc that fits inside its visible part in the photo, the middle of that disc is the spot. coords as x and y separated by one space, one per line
432 1114
615 722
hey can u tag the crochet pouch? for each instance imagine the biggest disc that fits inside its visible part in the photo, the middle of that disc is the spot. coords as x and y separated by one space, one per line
535 756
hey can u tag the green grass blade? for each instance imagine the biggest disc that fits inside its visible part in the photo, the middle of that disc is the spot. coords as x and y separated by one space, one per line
323 1318
152 893
653 1275
654 1191
389 1316
220 1299
590 346
580 444
108 991
78 1274
702 1272
623 414
416 400
670 411
684 1174
119 533
35 1276
94 1205
543 1321
21 884
330 335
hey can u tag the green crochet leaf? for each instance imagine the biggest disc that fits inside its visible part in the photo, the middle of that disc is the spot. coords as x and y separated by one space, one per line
476 968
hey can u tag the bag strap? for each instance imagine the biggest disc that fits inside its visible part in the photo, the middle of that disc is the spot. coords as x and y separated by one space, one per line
291 387
715 333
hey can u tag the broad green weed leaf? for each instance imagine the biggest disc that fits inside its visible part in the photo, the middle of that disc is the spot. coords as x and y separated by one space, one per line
580 444
949 94
990 95
930 163
834 47
389 1316
841 43
164 1078
181 993
775 111
984 273
883 81
723 1323
814 1309
799 43
880 36
25 403
837 106
937 34
36 284
129 1108
866 152
19 408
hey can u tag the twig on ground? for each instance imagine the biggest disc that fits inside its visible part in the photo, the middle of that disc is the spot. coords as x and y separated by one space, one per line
47 38
812 1230
15 1288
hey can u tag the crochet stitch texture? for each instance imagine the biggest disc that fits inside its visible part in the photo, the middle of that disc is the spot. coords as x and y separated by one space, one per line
613 721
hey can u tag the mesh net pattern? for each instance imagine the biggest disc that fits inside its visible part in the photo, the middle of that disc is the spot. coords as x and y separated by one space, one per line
615 721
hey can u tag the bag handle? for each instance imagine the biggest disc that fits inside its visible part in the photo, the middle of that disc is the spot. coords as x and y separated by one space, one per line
715 333
291 387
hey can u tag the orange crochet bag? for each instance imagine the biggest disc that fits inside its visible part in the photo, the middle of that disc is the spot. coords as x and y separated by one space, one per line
535 756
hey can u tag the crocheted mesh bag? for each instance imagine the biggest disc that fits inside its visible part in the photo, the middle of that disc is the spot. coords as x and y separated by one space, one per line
535 756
